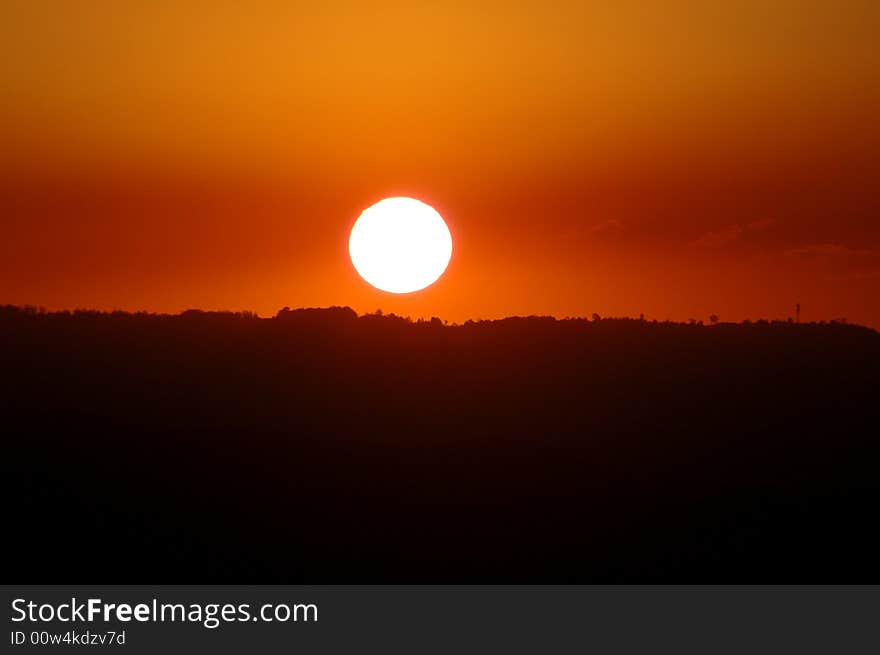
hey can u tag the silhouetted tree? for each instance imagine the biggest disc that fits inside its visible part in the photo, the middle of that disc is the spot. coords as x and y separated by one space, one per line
323 446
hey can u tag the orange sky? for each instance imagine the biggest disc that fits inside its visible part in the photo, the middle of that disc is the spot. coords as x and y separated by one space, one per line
674 159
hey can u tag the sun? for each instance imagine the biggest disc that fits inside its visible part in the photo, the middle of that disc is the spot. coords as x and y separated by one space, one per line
400 245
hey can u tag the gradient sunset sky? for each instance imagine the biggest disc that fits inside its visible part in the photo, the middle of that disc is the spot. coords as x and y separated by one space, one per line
676 158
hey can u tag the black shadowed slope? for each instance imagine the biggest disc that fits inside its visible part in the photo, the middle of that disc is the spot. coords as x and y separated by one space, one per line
319 446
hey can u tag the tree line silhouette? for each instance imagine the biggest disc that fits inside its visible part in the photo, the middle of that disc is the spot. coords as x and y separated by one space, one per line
321 446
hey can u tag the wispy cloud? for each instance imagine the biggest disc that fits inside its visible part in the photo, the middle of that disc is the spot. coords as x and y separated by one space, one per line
611 227
819 250
832 249
731 233
760 224
719 238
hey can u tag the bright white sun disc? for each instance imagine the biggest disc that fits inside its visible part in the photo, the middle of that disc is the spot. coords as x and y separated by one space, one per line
400 245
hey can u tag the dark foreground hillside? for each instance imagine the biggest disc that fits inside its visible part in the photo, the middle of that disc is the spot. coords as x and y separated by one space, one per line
323 447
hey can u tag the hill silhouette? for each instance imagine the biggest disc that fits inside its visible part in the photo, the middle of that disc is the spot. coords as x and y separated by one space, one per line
321 446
